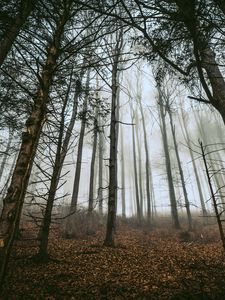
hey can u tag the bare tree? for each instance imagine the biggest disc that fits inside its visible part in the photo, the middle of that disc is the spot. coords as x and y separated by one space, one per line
173 202
111 219
73 205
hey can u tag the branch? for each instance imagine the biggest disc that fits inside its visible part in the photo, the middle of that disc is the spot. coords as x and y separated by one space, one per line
200 99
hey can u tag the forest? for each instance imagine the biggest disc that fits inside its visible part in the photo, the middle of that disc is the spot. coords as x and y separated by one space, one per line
112 170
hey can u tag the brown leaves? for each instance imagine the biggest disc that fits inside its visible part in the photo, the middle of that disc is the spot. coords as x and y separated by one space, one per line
143 266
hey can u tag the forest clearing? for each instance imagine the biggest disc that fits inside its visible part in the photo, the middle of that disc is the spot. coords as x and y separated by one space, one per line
155 263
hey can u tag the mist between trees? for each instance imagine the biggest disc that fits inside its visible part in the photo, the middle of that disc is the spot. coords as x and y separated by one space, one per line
103 105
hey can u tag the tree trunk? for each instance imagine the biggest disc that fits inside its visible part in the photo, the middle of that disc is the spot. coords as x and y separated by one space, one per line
100 168
187 203
92 174
111 218
8 146
13 201
25 9
139 216
218 215
139 164
122 175
202 202
62 145
147 166
73 205
173 201
69 130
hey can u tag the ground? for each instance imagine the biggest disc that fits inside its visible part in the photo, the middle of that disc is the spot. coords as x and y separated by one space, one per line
145 264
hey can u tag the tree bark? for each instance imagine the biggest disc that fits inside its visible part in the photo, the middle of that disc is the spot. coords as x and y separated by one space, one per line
14 199
100 168
122 175
112 198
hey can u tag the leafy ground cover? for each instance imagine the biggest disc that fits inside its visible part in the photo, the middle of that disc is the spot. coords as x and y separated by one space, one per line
145 264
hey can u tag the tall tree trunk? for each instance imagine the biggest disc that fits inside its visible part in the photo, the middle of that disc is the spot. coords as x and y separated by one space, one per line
92 174
139 216
139 164
14 199
112 198
122 175
147 165
100 167
8 146
61 150
187 138
25 9
76 184
173 201
43 248
187 203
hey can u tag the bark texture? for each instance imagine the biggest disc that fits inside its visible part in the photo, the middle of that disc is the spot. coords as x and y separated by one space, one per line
14 198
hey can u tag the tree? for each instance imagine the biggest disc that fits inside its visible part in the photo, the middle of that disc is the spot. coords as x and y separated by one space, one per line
92 170
181 173
137 193
188 141
13 201
73 205
147 158
54 39
172 195
111 218
184 34
122 174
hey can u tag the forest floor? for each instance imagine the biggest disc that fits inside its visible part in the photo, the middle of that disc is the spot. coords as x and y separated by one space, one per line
145 264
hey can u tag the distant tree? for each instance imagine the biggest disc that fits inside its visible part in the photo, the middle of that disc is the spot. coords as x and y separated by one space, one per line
137 192
173 201
181 173
198 182
73 205
149 185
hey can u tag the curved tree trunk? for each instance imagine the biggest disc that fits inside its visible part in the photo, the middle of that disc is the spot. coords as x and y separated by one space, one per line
187 203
